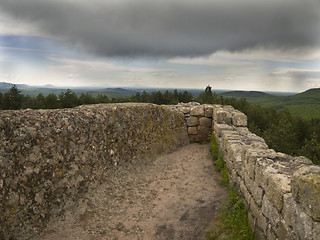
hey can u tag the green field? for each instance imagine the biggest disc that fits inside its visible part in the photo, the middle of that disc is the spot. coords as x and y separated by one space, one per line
305 105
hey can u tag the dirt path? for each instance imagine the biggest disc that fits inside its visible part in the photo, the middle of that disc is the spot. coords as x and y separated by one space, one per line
174 197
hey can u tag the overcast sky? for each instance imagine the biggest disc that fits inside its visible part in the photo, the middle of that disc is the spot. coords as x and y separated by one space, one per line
231 44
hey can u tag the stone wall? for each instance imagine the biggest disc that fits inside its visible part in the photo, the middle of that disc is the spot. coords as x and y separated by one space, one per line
51 157
281 192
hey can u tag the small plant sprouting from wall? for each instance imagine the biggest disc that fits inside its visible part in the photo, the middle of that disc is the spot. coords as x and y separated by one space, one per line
232 223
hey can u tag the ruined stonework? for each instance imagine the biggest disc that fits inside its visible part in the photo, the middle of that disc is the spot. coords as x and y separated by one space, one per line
49 158
198 119
281 192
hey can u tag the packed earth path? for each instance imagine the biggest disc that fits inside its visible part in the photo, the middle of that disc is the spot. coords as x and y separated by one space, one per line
175 196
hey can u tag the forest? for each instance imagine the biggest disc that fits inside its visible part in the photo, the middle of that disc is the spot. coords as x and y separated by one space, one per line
281 131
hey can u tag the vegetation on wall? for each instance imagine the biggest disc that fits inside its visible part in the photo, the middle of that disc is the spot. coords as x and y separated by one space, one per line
233 220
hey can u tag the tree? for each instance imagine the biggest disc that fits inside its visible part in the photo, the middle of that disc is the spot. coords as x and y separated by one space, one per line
145 97
86 98
185 97
1 101
39 101
12 99
68 99
51 101
102 99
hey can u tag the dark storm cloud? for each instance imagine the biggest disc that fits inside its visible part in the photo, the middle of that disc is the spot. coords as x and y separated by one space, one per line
172 28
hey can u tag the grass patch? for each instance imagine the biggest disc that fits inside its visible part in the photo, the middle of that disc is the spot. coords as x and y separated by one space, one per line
232 221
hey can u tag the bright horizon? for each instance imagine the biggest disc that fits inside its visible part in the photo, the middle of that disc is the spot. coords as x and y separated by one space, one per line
236 45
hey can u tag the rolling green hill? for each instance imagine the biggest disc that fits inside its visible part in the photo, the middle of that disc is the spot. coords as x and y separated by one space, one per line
253 94
305 104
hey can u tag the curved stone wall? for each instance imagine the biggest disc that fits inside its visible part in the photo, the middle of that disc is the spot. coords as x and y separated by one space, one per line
50 157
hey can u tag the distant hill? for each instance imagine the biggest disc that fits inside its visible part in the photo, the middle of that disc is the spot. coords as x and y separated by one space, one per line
311 93
247 94
120 90
9 85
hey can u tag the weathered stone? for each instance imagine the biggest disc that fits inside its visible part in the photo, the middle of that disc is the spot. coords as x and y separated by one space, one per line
239 119
257 192
70 148
219 128
284 233
201 138
245 193
302 160
271 233
206 122
192 138
208 111
300 223
192 121
203 130
197 111
269 210
261 219
192 130
262 172
185 110
278 185
306 189
222 116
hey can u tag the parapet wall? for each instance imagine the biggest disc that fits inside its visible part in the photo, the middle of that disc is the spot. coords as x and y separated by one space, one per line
281 192
50 157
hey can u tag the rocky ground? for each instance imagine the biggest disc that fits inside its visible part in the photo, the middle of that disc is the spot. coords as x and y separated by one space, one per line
176 196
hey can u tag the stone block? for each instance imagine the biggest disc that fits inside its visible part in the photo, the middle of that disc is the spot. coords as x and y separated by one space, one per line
261 220
316 230
185 110
245 193
203 130
278 185
270 211
284 232
306 189
296 218
263 170
208 110
192 138
256 192
222 116
239 119
302 160
271 233
192 121
192 130
201 138
206 122
251 156
197 111
219 128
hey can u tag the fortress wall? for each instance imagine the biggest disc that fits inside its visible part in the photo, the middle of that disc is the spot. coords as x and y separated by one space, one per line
50 157
281 192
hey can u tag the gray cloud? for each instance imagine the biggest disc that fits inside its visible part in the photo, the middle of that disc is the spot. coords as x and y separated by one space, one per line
171 28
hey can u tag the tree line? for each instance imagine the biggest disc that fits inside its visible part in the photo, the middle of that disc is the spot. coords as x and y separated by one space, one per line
281 131
13 99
